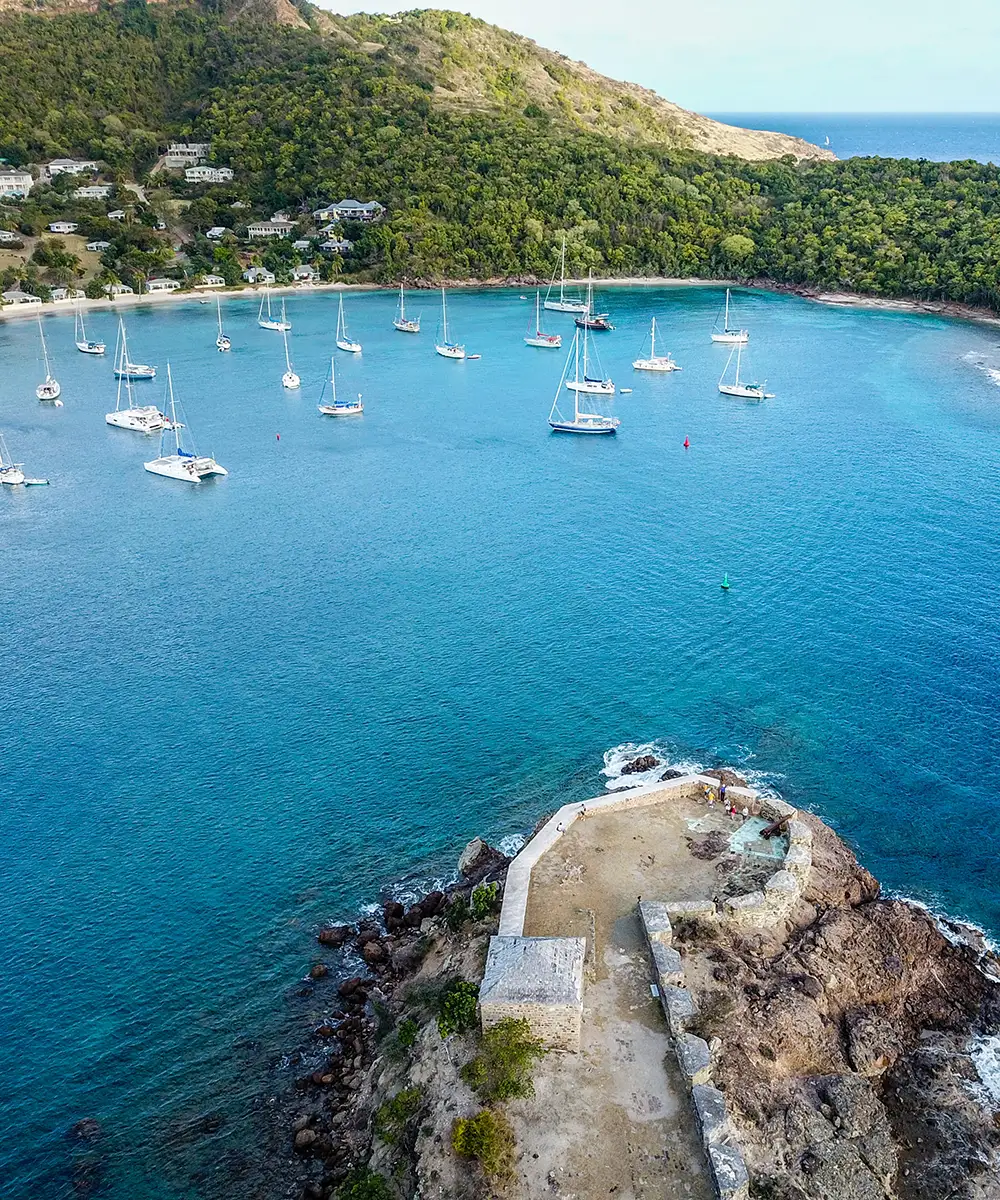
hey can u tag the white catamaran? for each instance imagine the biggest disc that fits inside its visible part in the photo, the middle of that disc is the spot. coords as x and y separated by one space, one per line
269 322
125 368
83 343
535 336
747 391
595 384
289 380
725 334
182 464
338 408
446 348
145 418
655 362
222 342
581 422
12 473
344 341
570 304
402 322
48 390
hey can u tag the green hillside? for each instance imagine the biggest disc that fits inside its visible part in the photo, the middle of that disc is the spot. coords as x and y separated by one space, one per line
484 149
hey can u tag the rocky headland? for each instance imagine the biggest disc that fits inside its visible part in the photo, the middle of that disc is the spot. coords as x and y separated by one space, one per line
843 1039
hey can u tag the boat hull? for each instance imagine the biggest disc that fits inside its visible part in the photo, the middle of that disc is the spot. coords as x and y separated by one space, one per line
277 326
91 347
138 420
180 466
290 380
341 410
565 306
732 337
602 388
48 391
12 476
407 326
545 343
591 425
744 393
223 343
451 351
655 364
349 347
594 324
134 371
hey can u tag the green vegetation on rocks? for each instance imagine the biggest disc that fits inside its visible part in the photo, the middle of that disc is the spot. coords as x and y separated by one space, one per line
502 1068
457 1007
488 1138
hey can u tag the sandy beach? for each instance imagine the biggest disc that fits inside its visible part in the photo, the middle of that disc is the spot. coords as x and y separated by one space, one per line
940 308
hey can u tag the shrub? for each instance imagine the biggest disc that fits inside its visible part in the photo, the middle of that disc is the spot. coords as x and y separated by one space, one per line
502 1068
393 1117
485 901
364 1184
457 1007
407 1033
456 914
488 1138
715 1009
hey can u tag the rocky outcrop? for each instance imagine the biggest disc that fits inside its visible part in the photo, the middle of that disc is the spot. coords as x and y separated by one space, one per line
479 860
645 762
841 1034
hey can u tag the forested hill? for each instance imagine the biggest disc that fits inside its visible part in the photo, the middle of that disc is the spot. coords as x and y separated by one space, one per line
484 149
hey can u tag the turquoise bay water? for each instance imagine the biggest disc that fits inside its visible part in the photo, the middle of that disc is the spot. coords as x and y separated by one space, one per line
235 710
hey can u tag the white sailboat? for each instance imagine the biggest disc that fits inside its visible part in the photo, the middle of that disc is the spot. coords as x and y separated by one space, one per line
343 341
570 304
446 348
338 408
581 422
182 464
595 384
47 391
145 418
404 323
747 391
269 322
83 343
655 362
535 337
125 368
12 473
289 380
725 334
222 342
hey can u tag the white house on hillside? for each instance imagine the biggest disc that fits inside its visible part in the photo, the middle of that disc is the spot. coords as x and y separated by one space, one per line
93 191
259 229
258 275
212 281
63 227
71 166
117 214
162 285
98 246
16 296
186 154
336 245
208 174
8 236
15 183
119 289
305 274
350 210
61 294
216 233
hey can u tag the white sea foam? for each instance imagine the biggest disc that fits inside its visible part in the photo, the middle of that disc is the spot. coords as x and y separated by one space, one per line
985 1055
618 757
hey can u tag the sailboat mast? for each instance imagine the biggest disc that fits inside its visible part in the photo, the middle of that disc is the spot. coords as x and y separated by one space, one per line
173 413
333 381
726 323
288 364
444 316
538 314
739 356
652 339
562 272
218 308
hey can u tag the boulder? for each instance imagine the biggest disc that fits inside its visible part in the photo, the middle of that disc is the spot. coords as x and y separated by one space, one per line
392 915
671 773
351 987
414 915
374 952
432 903
334 935
645 762
319 971
726 776
305 1138
479 859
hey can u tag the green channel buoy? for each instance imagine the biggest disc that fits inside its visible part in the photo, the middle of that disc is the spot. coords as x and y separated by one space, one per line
725 582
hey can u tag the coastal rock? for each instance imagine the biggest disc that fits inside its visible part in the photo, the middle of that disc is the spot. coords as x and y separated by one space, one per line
479 859
671 773
351 987
872 1042
319 971
305 1139
645 762
335 935
432 903
725 775
374 952
392 915
87 1130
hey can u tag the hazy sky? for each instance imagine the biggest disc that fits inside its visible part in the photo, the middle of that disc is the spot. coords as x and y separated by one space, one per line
773 55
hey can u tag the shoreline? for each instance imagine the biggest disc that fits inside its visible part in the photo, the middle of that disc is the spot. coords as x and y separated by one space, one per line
940 308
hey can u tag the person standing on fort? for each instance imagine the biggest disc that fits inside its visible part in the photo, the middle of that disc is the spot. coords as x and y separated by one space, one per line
722 793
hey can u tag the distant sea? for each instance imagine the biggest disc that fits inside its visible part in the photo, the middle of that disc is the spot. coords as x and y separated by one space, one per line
941 137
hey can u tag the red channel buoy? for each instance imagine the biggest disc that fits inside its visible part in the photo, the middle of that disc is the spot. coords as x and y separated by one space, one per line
278 436
687 444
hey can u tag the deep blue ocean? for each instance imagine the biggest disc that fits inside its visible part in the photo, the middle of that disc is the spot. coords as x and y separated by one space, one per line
941 137
236 710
